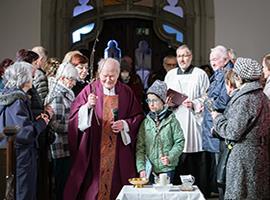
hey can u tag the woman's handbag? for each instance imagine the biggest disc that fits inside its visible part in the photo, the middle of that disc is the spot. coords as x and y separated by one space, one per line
223 159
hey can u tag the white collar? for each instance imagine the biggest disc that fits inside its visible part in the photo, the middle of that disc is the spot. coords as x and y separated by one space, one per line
109 92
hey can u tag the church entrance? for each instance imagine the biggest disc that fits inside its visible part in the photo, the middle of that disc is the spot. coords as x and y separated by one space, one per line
128 33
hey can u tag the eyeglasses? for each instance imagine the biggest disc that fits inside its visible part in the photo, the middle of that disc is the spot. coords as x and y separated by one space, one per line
152 101
183 56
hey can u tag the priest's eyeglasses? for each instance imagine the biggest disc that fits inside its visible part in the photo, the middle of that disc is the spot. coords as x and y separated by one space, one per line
149 101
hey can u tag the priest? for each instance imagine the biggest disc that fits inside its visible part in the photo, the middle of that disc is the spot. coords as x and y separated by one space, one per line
103 126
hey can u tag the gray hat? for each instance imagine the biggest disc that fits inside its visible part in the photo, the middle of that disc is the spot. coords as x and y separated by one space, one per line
248 69
159 88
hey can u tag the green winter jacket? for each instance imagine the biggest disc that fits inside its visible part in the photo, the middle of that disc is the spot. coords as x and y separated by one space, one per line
153 142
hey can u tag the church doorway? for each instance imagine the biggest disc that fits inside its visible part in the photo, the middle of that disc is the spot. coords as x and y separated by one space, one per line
128 32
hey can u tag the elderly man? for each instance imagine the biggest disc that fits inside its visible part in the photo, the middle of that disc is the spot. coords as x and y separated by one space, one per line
104 122
169 62
39 92
217 99
40 80
216 94
193 82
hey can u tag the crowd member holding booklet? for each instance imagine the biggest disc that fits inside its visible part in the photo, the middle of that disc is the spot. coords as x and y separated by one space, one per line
160 139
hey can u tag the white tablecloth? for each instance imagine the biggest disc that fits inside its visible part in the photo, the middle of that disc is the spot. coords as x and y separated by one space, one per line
128 192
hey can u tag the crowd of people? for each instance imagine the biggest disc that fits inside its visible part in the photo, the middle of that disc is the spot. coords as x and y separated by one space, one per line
83 139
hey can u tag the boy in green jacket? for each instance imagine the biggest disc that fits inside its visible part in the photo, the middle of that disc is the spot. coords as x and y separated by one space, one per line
160 138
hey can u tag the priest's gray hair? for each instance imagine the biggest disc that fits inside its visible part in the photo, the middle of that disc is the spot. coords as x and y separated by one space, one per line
18 74
67 70
110 61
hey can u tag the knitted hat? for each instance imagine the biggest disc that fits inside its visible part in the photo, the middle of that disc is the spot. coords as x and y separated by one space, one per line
248 69
159 88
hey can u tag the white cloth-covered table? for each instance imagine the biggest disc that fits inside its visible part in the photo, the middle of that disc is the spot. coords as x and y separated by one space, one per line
128 192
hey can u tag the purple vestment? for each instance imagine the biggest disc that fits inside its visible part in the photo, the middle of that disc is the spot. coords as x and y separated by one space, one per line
83 181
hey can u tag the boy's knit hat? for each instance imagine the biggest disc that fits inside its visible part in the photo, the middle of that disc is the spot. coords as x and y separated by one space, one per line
159 88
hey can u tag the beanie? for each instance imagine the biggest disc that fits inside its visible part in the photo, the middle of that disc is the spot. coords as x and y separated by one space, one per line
159 88
248 69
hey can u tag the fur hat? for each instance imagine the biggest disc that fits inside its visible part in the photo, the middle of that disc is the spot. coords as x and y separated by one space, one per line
248 69
159 88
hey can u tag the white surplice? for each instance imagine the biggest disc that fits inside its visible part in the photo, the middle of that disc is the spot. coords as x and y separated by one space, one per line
194 84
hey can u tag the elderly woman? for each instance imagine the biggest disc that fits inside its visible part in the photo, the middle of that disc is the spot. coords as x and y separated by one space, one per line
246 122
32 58
15 111
60 97
104 122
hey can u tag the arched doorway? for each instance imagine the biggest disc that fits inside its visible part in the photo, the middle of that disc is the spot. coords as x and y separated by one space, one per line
197 24
128 32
